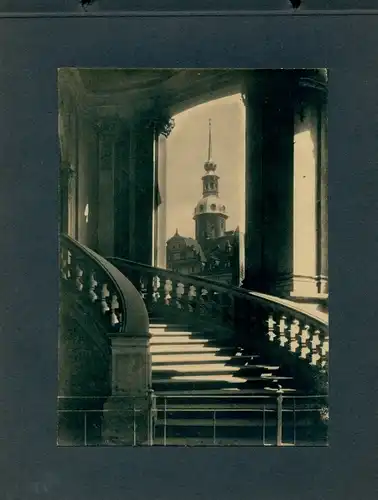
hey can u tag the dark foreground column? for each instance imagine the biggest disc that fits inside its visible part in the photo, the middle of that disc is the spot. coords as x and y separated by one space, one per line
269 180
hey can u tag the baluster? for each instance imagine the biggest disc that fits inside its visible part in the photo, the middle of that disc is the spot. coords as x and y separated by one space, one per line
64 263
294 331
114 306
167 292
104 296
180 290
315 343
214 305
203 301
324 349
304 336
92 287
69 264
192 294
271 325
282 329
79 277
143 287
231 309
155 289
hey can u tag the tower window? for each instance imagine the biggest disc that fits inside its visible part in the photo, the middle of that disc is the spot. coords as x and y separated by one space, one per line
213 206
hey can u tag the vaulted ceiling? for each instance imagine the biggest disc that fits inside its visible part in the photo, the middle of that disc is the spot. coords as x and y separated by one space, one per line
120 91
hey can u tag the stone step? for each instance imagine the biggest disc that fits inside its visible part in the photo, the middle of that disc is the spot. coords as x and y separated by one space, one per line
230 393
183 359
221 377
194 368
173 340
201 378
179 348
168 334
169 326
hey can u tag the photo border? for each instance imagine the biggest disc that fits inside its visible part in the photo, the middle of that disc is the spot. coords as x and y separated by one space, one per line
32 464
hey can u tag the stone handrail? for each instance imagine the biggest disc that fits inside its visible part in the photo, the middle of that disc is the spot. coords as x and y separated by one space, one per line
285 324
111 295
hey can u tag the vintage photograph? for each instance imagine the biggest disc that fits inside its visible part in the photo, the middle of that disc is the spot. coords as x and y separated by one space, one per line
193 257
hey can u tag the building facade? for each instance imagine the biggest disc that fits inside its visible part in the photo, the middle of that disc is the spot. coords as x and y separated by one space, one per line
215 252
113 126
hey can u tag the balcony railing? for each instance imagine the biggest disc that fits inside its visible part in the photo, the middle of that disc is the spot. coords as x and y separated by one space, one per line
289 329
292 421
101 287
103 318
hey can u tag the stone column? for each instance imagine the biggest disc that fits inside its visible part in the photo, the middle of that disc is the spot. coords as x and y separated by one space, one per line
122 194
127 413
269 181
132 191
254 102
306 160
310 187
161 202
144 192
286 154
106 193
323 216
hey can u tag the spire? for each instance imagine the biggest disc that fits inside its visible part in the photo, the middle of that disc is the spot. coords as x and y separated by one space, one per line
209 150
176 233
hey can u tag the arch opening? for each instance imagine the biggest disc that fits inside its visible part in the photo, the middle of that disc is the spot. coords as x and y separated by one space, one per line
202 176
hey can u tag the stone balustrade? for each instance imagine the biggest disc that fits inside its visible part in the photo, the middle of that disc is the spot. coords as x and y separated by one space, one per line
283 324
101 310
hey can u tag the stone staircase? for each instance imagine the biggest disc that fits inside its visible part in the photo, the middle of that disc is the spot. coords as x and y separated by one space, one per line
210 393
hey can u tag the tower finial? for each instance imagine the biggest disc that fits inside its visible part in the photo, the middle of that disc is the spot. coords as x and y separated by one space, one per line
209 150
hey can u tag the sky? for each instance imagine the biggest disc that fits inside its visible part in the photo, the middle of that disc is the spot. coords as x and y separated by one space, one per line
187 148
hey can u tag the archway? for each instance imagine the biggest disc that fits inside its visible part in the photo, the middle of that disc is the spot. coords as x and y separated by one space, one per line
180 168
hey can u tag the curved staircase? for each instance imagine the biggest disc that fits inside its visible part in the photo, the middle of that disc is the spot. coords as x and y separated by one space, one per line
211 394
211 391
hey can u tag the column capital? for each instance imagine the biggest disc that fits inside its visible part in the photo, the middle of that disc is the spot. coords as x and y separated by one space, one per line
108 126
158 117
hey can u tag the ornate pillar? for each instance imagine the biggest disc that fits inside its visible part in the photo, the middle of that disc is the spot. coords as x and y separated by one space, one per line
132 191
310 186
160 225
122 188
147 129
269 100
286 229
144 192
107 136
323 196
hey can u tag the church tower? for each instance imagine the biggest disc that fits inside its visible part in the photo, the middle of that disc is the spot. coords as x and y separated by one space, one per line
210 213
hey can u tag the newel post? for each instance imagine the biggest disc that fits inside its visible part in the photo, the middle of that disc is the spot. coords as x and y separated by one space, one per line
127 413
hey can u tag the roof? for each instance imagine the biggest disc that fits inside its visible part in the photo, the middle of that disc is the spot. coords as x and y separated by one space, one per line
210 204
189 243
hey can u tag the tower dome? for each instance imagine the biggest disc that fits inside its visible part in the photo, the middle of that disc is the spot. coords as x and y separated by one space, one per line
210 213
210 204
